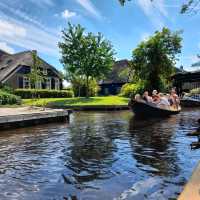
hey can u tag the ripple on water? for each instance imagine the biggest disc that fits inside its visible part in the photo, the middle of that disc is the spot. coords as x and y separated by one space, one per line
102 155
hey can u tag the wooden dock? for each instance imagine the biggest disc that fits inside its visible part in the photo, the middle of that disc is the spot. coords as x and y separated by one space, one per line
191 190
29 116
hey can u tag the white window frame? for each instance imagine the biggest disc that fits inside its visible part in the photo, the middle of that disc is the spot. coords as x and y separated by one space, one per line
48 83
26 82
45 71
38 85
57 84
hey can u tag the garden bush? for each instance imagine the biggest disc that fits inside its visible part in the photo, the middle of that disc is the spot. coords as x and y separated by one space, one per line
130 89
7 98
195 91
79 88
32 93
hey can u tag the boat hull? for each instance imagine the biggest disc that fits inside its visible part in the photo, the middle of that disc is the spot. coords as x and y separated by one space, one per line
143 110
190 103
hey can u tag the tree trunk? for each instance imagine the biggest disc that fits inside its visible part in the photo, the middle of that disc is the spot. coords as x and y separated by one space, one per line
87 87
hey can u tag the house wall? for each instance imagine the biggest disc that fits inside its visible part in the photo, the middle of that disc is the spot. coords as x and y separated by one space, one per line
110 89
16 80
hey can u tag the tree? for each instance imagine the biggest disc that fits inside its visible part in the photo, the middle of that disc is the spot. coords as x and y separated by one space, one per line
154 60
85 55
35 76
190 6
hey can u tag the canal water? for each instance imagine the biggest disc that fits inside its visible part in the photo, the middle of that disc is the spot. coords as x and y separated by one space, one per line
99 156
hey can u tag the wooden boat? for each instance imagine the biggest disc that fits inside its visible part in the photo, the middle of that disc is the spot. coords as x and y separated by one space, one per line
149 110
189 102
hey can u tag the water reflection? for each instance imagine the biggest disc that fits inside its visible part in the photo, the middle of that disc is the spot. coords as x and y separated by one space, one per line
90 154
152 146
98 156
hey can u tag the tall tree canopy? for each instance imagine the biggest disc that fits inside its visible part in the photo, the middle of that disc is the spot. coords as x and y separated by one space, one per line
154 59
86 55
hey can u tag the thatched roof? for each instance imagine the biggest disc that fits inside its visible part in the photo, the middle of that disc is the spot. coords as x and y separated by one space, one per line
9 63
115 75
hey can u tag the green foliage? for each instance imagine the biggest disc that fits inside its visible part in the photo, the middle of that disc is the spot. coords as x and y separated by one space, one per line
195 91
154 60
85 55
79 87
28 93
35 75
190 6
6 88
7 98
131 89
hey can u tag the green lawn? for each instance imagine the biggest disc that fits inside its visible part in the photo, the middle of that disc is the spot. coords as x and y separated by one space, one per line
78 101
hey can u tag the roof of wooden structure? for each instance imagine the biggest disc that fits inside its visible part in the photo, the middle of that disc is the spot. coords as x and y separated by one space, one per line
187 76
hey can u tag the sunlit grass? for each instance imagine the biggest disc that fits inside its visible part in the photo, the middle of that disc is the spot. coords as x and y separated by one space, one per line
79 101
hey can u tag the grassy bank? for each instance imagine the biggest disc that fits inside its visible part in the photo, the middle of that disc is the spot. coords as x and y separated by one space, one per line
78 101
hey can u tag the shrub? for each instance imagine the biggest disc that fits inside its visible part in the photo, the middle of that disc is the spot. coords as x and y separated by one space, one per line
30 93
195 91
6 88
7 98
130 89
79 88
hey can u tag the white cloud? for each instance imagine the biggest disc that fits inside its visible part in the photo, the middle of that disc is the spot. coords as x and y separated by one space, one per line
155 11
23 16
4 46
68 14
87 5
28 36
42 3
9 29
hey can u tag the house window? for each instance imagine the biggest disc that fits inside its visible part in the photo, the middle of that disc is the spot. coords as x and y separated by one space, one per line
38 85
48 83
26 82
45 71
57 84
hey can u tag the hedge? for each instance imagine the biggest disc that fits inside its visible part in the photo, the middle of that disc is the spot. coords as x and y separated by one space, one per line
130 89
7 98
30 93
195 91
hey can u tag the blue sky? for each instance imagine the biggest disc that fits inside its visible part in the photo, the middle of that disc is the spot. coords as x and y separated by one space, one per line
37 24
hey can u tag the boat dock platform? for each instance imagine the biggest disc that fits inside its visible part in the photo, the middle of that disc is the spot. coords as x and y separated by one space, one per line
30 116
191 190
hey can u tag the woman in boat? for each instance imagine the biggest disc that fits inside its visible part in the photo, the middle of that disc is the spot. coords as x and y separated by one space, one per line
164 103
174 99
146 97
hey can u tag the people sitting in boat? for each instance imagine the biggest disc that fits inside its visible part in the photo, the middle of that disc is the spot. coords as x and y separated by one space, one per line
164 103
138 97
146 97
155 97
174 99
